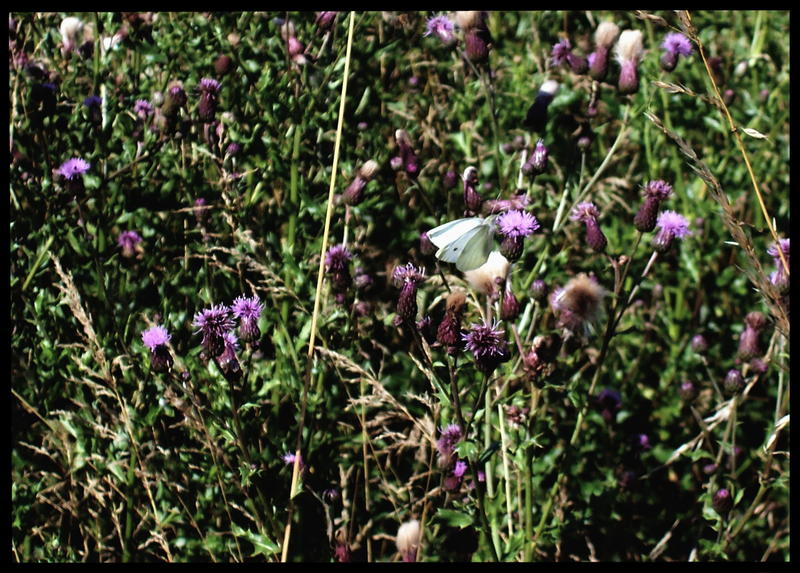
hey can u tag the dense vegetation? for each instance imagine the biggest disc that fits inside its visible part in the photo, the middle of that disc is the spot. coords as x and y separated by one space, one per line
217 263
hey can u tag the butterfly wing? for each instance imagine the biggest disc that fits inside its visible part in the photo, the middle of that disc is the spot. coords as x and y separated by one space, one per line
452 251
476 250
443 235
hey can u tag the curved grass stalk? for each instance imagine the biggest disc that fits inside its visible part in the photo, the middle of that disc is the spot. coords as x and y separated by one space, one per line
317 297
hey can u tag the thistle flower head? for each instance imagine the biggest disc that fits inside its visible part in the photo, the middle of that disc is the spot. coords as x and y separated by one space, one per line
446 444
290 457
442 27
629 47
779 277
155 336
93 101
605 34
208 85
337 258
517 223
678 44
247 308
583 212
671 225
407 540
142 108
213 323
128 241
560 51
488 346
72 168
408 274
657 189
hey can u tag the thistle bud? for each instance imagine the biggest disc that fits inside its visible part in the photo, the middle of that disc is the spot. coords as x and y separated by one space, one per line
449 179
699 344
207 108
408 277
688 391
722 502
588 213
448 334
734 382
748 341
409 159
472 199
509 308
537 162
223 65
325 21
539 290
426 246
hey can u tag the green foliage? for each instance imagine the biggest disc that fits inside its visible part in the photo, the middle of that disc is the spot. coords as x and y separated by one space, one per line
116 460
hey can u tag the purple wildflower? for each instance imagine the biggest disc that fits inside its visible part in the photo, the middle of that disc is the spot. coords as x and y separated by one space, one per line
609 401
207 107
156 338
562 53
488 346
337 258
537 162
248 311
407 278
587 213
722 501
671 225
214 323
93 101
71 168
228 361
209 85
654 192
675 44
290 457
517 224
446 444
442 27
128 240
142 108
780 278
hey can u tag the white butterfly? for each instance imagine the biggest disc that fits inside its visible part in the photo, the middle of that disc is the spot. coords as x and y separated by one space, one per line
465 242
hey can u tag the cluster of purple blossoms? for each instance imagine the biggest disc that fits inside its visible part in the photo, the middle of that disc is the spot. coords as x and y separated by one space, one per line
129 241
488 346
408 278
588 213
675 44
442 27
515 226
155 339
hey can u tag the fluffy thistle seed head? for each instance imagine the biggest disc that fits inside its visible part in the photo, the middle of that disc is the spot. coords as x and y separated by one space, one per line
579 303
606 34
407 540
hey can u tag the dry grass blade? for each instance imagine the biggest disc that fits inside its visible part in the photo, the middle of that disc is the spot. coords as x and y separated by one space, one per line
755 273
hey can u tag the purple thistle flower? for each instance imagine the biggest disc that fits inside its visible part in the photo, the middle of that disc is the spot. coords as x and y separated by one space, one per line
560 51
488 346
779 277
442 27
71 168
209 85
228 361
722 501
446 444
155 338
93 101
678 43
537 162
248 311
142 108
671 225
587 213
213 323
337 258
654 193
128 241
290 457
407 278
517 223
